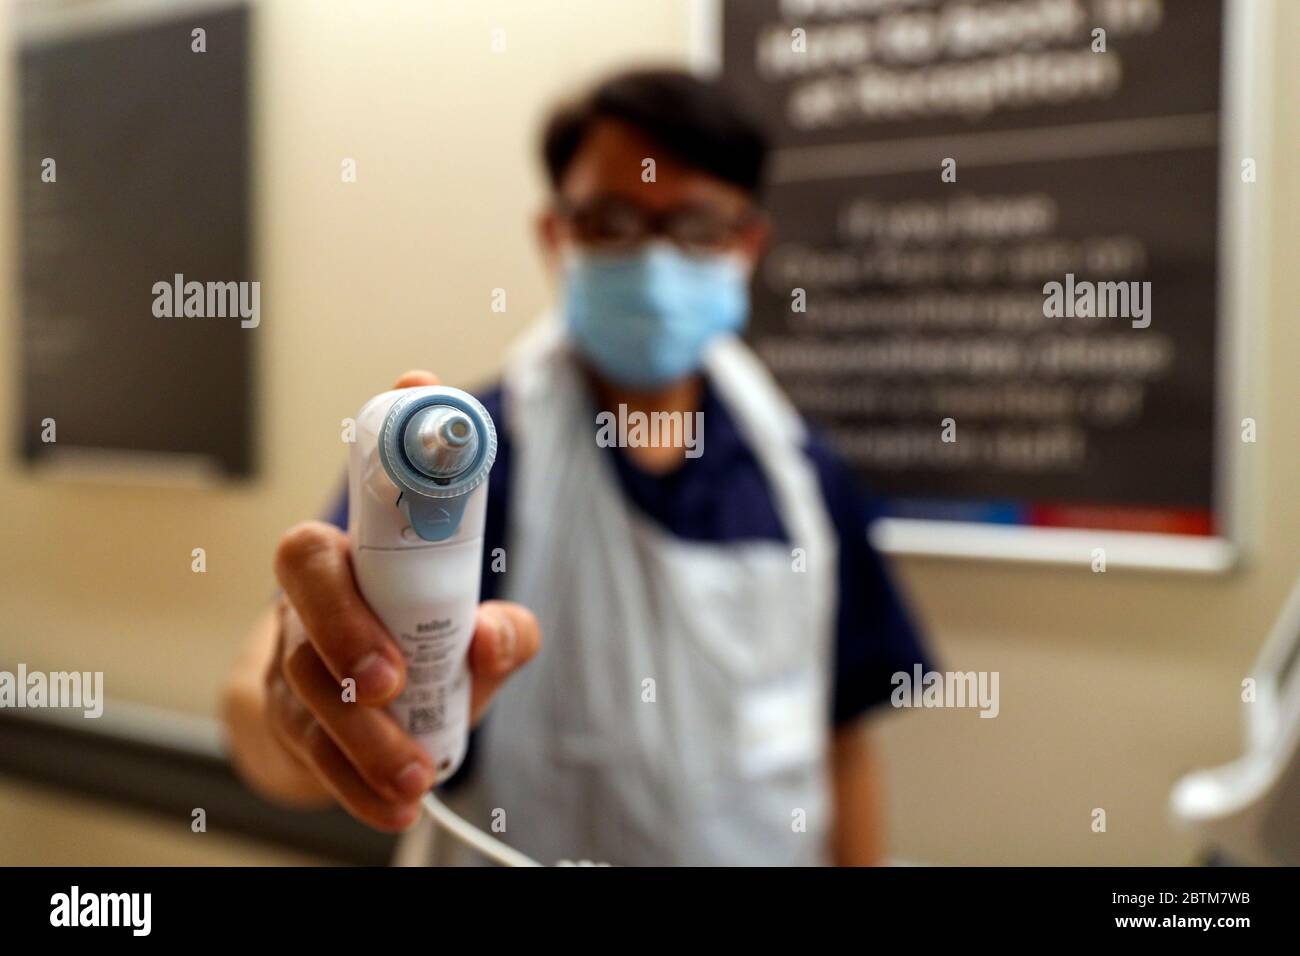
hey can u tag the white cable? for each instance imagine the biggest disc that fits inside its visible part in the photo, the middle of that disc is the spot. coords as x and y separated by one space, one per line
472 836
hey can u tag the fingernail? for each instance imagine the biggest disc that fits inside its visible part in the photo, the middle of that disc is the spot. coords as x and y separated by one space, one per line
376 676
413 779
505 642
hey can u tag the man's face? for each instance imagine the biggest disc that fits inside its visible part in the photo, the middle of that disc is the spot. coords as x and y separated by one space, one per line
606 204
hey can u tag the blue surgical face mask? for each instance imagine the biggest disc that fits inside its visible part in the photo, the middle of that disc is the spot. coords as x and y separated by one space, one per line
644 318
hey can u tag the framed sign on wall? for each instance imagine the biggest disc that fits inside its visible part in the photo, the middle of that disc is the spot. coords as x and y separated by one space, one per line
1011 268
138 308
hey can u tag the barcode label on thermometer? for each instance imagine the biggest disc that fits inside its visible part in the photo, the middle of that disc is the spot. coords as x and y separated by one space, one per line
423 720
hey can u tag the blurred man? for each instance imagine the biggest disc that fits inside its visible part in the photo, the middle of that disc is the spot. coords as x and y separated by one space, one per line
716 624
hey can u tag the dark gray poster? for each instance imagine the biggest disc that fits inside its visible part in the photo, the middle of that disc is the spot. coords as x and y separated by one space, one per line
994 277
138 309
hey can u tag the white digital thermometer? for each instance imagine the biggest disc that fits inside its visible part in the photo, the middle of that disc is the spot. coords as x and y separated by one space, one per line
417 501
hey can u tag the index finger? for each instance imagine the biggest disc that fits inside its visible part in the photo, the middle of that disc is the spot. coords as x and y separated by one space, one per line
313 567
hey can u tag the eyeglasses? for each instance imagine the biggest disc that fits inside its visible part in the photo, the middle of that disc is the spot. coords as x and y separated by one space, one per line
610 224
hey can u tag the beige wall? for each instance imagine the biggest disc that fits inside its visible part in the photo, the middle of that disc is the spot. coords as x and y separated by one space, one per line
1112 685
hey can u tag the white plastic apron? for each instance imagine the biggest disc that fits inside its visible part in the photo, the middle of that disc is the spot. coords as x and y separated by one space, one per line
679 710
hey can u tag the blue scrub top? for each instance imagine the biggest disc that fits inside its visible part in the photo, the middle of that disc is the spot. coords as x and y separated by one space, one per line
723 496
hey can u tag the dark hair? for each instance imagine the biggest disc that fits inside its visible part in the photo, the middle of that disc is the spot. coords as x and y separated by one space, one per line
694 120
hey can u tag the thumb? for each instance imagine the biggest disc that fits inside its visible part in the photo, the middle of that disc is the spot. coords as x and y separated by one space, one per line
506 638
416 377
